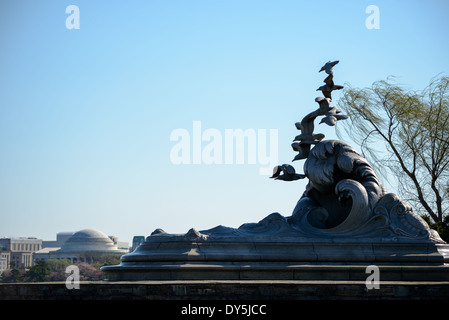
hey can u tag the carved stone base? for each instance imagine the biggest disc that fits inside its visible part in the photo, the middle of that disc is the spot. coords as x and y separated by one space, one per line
176 258
343 223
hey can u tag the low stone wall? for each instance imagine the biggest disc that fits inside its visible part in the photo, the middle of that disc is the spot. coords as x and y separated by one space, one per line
226 290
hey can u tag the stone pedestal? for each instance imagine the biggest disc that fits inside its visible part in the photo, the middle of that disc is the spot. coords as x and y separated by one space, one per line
179 257
390 237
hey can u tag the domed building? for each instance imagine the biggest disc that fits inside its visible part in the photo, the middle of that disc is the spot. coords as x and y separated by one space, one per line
83 246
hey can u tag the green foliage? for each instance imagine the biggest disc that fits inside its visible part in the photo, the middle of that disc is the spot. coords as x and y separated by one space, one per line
442 227
56 265
106 260
12 276
38 272
54 270
405 135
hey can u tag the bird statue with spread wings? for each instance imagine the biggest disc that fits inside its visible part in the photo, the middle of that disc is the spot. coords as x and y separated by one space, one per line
288 173
303 142
332 116
329 87
329 66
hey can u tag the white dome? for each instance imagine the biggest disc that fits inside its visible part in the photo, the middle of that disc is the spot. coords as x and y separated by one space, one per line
88 240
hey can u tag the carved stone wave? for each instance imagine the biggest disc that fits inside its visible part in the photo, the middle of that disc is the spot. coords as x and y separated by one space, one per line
343 200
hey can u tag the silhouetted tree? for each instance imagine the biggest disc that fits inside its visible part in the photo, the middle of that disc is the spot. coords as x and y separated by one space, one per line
414 128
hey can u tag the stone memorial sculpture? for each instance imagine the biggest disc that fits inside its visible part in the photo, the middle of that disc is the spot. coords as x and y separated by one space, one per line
344 197
344 221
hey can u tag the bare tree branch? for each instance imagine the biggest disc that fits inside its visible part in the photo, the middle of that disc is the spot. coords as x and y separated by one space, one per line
414 127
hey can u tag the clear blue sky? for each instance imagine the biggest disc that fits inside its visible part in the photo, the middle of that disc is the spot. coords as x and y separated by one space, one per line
86 115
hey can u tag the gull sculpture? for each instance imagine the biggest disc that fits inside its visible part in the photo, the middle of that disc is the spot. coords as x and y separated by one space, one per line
328 66
329 87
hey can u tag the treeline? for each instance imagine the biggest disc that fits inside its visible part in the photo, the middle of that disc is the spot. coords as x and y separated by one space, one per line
55 270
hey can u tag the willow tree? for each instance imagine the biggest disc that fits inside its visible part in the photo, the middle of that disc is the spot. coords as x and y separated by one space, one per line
413 127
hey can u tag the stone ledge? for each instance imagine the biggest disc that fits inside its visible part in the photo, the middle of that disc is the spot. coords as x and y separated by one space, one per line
127 271
227 290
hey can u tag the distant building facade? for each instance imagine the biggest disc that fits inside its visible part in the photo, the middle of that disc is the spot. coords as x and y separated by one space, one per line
137 240
5 260
83 246
18 252
61 238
